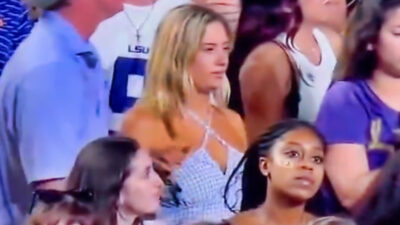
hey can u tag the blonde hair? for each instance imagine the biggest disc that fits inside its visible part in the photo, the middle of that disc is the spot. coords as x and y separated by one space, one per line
178 39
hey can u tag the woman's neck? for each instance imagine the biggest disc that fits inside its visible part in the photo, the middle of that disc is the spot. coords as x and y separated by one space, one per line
125 218
280 210
387 87
307 44
199 102
307 28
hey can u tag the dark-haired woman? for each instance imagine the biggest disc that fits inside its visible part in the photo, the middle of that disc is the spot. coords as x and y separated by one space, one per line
287 52
124 187
360 116
283 170
383 205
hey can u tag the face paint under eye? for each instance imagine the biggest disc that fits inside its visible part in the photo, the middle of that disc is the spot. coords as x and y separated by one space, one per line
283 160
288 164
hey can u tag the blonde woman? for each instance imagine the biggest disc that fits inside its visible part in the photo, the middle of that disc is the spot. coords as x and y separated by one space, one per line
183 117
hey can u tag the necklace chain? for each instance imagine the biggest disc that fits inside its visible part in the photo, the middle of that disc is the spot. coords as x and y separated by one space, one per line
139 28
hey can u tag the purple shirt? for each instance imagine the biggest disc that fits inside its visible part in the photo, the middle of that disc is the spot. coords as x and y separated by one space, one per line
352 113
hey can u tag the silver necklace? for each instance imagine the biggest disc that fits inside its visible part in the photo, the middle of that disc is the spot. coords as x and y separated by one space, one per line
138 29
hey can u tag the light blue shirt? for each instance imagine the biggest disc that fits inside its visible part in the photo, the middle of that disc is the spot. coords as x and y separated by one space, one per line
53 101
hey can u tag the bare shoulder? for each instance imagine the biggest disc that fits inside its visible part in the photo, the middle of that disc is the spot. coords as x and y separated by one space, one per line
266 61
138 122
237 122
268 53
139 114
245 218
232 115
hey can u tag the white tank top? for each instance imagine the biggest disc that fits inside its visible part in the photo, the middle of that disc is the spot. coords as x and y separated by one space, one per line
314 80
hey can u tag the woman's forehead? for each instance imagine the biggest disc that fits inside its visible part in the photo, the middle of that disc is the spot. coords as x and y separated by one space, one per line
299 136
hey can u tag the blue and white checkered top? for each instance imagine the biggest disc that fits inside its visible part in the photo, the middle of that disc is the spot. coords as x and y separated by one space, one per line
202 184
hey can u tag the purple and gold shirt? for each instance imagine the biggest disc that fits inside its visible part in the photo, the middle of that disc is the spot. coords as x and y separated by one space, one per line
352 113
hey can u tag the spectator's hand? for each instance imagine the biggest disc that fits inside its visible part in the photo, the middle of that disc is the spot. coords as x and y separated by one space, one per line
167 160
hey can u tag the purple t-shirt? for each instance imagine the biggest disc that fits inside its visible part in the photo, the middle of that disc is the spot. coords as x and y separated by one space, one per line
352 113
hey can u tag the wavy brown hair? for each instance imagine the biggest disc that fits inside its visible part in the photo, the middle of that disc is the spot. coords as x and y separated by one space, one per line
358 60
101 169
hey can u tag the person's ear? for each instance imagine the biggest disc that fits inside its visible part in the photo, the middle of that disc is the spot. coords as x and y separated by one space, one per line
264 165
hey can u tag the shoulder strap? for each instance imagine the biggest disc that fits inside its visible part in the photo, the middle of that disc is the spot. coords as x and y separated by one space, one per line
328 55
295 70
293 99
208 129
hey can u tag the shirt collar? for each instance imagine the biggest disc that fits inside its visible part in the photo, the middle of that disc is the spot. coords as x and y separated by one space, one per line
65 31
70 37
